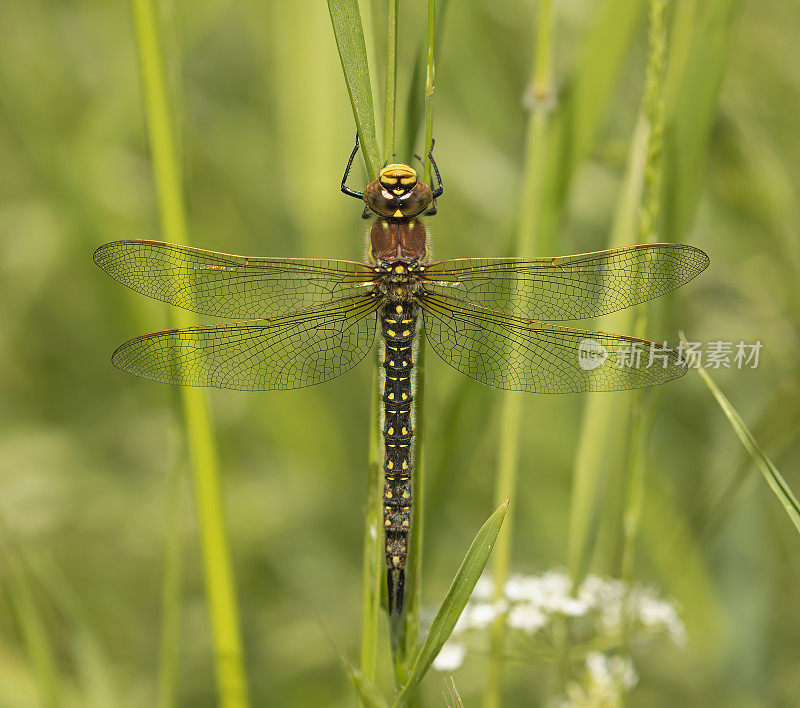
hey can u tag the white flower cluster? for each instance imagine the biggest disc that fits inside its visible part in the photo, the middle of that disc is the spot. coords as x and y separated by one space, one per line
530 602
607 679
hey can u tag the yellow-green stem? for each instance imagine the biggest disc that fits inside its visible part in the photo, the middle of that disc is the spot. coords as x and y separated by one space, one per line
223 612
410 636
653 109
390 103
527 243
430 75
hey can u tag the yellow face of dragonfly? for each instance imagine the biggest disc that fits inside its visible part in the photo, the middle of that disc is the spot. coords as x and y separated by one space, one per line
398 179
397 193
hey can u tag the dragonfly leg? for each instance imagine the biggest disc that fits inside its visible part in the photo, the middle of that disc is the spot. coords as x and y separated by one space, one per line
345 189
439 190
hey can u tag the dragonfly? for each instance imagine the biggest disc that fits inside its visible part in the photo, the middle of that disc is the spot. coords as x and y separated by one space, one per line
301 322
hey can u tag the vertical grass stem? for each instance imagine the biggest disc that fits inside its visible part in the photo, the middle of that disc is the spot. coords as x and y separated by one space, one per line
539 100
223 611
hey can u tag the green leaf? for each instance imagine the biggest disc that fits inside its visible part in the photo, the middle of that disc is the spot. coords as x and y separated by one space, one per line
349 33
454 602
774 478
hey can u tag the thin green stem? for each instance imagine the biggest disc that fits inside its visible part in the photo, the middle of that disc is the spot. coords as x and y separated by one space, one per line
390 104
527 242
411 623
653 110
373 566
430 75
228 653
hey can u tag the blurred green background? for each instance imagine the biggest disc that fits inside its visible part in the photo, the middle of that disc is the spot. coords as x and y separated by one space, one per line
266 127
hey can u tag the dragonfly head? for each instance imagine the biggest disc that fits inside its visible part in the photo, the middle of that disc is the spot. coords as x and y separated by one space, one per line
398 179
398 193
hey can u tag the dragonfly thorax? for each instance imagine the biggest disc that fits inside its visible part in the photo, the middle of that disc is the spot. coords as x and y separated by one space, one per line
399 281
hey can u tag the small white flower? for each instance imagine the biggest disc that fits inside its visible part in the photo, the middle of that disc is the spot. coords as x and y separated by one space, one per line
570 606
450 657
527 618
479 615
611 673
656 613
484 588
522 587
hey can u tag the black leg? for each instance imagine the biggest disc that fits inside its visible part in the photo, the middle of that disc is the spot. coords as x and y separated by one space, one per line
440 189
367 213
345 189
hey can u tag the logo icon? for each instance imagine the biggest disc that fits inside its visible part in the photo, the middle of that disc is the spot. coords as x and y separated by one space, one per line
591 354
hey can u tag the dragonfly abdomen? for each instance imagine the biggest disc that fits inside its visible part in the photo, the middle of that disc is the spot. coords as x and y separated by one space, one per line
398 327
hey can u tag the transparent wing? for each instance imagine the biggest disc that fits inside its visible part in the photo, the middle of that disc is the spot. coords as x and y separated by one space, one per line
294 351
568 287
225 285
520 355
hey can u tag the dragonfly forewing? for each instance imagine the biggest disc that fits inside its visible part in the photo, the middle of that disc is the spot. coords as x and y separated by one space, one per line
226 285
568 287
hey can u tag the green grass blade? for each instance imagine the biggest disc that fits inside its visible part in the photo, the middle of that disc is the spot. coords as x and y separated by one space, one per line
430 74
454 602
228 652
416 99
349 33
767 468
409 634
390 98
372 563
